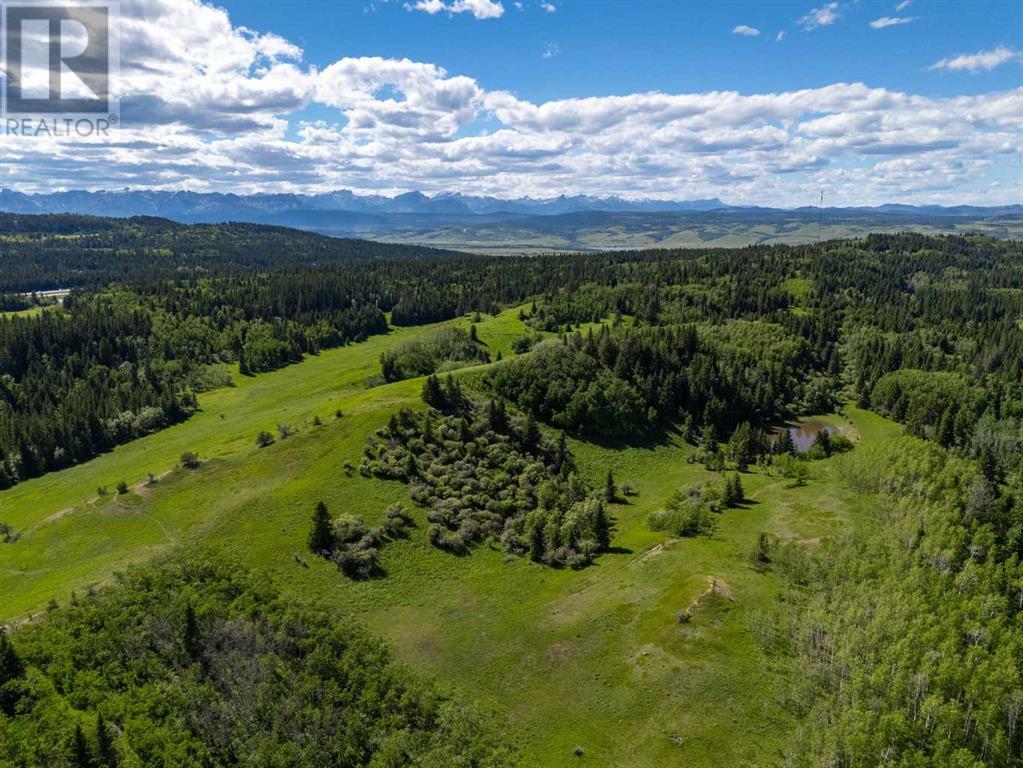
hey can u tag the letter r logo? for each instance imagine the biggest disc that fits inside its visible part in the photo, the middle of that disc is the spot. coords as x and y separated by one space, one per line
57 57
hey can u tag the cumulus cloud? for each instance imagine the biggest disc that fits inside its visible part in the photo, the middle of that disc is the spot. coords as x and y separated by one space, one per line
551 50
820 17
890 21
480 9
212 106
549 7
742 29
779 37
982 61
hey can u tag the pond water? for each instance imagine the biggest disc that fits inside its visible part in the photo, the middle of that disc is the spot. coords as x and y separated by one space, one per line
804 433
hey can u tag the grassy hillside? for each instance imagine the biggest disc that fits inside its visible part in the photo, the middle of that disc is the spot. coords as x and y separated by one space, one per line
593 658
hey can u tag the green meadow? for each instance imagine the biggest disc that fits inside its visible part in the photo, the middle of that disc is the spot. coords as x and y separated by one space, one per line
595 659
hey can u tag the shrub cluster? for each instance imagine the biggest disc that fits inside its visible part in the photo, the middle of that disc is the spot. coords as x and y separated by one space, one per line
352 544
447 348
482 472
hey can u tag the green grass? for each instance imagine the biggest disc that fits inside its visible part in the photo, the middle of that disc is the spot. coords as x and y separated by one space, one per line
594 658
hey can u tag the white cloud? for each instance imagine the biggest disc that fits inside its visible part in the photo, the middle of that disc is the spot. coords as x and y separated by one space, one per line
480 9
982 61
903 6
890 21
779 37
820 17
549 7
210 106
742 29
551 50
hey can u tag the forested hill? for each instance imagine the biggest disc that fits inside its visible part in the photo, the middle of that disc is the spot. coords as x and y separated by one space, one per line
48 252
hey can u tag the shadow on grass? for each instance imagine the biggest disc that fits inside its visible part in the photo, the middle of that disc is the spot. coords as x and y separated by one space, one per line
656 436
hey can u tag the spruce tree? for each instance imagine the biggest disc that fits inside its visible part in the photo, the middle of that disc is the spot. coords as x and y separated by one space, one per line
536 542
11 668
81 755
106 754
497 416
433 394
190 637
784 442
740 446
610 488
733 492
561 456
602 528
531 436
321 538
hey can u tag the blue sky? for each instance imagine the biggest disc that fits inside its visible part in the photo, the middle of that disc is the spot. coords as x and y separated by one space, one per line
615 48
752 102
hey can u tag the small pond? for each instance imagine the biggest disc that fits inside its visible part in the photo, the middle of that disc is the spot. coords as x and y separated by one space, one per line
804 433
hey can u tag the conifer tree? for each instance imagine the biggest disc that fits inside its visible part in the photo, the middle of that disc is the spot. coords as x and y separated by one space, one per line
602 528
784 442
610 488
106 753
190 637
433 394
81 755
11 668
321 538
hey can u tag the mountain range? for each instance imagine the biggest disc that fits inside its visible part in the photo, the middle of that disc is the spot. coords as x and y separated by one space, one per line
525 224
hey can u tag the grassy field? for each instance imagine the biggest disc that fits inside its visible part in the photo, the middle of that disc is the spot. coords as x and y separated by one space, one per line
613 231
593 658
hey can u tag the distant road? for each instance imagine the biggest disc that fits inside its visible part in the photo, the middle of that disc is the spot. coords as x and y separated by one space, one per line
57 294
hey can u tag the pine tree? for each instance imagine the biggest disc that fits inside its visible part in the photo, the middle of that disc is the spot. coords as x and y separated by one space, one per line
11 668
784 442
823 440
602 528
561 456
531 435
433 395
733 492
536 541
738 492
610 488
191 634
946 429
454 399
497 416
81 755
740 446
708 439
321 538
106 753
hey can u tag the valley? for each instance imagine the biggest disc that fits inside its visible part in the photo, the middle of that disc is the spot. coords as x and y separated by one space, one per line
593 658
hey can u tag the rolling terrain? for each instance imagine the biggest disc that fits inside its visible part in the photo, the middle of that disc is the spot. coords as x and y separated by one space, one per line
593 658
527 225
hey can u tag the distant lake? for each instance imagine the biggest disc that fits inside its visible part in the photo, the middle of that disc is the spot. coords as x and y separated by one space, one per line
805 433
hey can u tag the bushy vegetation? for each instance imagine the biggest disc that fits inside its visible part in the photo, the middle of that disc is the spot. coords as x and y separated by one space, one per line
619 383
194 663
909 641
444 350
693 510
484 473
353 545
